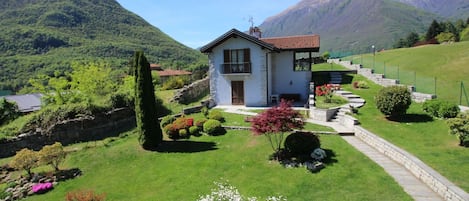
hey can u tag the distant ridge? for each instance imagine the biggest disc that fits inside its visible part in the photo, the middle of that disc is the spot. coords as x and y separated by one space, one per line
356 25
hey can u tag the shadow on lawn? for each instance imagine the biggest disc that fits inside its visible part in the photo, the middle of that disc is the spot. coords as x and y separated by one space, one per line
330 159
411 118
185 146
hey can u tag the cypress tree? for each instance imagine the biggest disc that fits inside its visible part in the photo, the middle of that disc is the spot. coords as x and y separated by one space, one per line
148 127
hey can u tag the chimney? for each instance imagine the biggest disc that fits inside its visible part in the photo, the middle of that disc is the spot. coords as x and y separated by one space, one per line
255 31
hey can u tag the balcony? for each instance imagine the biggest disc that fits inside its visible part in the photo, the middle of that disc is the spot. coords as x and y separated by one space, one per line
236 68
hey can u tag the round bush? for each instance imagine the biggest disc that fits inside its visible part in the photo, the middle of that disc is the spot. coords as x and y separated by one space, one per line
167 120
213 127
215 114
194 130
393 101
183 133
441 108
302 143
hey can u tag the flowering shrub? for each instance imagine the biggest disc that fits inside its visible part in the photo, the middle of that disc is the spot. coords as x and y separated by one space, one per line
326 91
179 128
42 187
227 192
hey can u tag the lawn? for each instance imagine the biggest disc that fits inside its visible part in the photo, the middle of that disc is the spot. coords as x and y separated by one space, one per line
328 67
431 68
419 134
187 169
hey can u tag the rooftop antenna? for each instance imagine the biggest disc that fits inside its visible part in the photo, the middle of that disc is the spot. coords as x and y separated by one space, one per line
251 20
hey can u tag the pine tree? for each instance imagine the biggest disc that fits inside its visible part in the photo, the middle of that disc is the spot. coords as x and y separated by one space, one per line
433 30
148 127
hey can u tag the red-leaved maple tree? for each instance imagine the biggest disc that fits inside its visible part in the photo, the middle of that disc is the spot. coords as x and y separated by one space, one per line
274 122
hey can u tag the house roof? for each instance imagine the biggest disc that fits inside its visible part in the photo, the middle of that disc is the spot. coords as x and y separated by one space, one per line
170 72
304 42
26 102
155 67
233 33
294 42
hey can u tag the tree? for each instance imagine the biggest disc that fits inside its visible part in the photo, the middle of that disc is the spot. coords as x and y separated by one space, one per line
24 159
274 122
412 38
92 80
52 155
459 126
434 29
445 37
8 111
150 134
393 100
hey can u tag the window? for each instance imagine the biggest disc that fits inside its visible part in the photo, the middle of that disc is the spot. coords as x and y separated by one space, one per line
302 61
236 61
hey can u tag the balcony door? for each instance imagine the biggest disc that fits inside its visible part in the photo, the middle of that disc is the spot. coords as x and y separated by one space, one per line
237 92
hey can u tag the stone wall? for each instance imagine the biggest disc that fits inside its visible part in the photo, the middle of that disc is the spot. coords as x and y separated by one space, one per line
83 129
192 91
433 179
380 79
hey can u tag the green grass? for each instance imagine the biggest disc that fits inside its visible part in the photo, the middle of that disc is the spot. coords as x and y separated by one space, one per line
439 68
327 67
418 134
336 101
124 171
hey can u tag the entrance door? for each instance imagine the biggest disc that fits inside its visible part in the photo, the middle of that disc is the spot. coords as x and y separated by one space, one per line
237 92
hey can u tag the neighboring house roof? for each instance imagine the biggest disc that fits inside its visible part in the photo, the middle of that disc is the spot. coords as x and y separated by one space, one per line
169 72
233 33
26 102
156 67
305 42
294 42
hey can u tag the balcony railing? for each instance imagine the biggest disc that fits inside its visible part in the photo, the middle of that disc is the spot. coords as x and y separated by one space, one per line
235 68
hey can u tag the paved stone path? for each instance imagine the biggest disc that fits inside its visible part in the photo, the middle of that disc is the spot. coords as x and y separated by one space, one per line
418 190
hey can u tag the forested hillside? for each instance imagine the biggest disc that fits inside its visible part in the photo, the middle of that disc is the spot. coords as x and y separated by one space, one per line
43 36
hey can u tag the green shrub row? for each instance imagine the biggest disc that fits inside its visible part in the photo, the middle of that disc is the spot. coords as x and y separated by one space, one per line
441 109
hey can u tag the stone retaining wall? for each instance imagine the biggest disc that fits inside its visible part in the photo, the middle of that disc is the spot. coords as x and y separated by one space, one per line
379 79
192 91
433 179
83 129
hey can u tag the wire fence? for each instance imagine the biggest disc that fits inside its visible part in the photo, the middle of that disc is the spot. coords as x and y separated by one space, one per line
451 91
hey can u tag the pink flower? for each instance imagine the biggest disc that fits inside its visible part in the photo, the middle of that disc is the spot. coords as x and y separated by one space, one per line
42 187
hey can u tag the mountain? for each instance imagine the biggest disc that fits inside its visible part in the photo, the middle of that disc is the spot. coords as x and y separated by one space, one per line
456 9
43 36
346 25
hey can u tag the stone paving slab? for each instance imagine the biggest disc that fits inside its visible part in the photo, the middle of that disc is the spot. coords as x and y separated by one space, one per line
412 185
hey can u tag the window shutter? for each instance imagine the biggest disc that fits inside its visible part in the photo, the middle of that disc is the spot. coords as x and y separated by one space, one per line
247 55
226 56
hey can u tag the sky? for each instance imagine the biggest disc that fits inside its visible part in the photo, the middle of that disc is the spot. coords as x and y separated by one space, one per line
195 23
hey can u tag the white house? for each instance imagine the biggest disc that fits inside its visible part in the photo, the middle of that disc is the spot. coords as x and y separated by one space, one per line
246 69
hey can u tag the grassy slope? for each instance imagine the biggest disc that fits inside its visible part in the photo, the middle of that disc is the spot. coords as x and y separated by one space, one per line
448 63
124 172
418 134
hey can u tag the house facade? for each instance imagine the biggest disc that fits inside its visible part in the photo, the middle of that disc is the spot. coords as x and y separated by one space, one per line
248 70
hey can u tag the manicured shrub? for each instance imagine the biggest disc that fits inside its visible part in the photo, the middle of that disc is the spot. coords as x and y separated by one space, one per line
167 120
301 143
84 195
213 127
216 114
25 159
440 108
52 155
459 126
194 130
178 129
360 85
183 133
200 123
393 101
